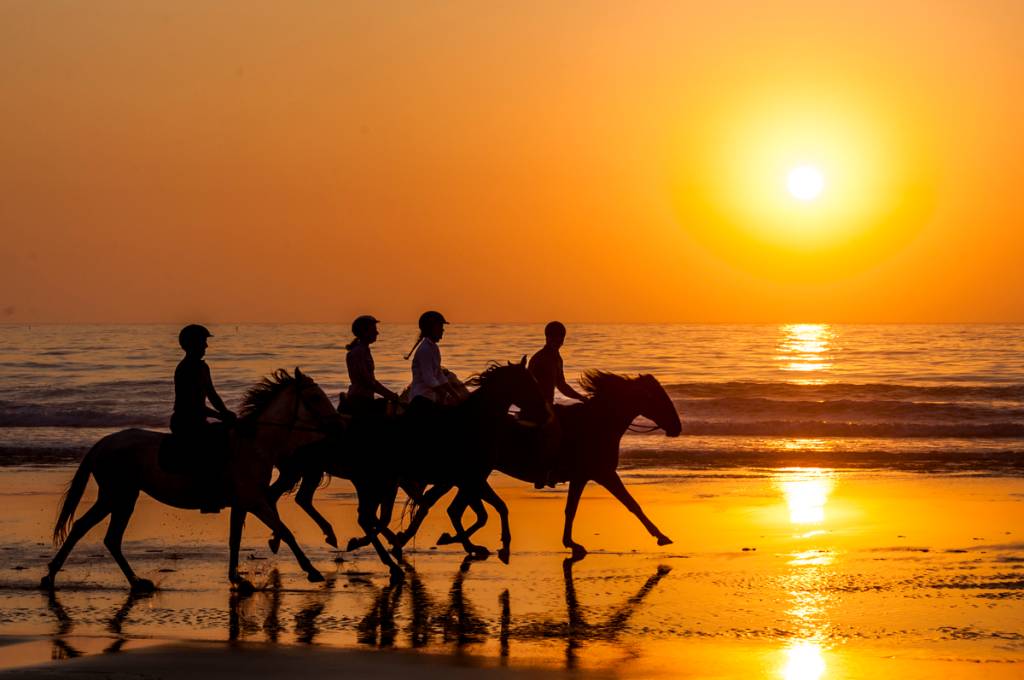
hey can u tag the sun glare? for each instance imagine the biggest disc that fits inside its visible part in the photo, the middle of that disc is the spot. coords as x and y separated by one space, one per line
805 182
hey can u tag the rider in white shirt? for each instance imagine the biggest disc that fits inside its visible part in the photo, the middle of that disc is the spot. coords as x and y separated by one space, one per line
428 380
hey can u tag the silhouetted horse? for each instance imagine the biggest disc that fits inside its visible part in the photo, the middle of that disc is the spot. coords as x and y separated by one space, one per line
278 415
588 448
446 446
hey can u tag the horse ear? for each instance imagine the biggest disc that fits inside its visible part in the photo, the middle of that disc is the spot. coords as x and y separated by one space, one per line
523 361
298 373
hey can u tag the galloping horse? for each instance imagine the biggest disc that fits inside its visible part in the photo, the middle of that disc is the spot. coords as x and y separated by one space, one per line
447 446
588 449
278 415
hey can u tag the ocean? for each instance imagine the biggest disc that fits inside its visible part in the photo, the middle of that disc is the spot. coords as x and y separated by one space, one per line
930 398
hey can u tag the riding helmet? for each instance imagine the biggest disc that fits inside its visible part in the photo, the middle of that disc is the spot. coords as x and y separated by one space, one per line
428 319
362 324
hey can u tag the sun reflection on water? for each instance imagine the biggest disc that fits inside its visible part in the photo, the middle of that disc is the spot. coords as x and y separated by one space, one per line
804 661
806 491
806 348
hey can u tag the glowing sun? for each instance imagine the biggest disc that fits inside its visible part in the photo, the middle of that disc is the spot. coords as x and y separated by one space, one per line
805 182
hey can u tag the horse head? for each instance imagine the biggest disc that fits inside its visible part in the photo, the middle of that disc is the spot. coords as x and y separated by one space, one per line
656 405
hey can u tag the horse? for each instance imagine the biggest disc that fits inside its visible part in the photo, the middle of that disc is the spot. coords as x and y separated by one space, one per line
281 413
587 450
446 446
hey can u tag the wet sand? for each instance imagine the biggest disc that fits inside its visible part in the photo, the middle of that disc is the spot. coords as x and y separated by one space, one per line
795 574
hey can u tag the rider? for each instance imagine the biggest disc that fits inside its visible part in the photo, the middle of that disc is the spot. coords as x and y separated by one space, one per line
193 386
428 380
547 369
359 360
546 365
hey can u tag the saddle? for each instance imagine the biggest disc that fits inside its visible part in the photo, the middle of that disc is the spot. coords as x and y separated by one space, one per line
203 451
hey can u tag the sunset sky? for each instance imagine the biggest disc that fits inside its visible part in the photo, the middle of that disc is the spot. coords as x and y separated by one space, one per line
308 161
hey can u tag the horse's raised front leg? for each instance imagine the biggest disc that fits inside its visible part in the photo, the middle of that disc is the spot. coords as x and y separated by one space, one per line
614 484
93 516
268 515
120 514
304 497
572 503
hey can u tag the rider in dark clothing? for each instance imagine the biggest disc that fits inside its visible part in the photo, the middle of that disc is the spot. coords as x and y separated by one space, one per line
202 441
547 369
546 365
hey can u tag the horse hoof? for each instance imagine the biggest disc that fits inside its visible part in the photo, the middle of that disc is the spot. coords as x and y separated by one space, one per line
353 544
445 539
46 583
274 544
664 540
478 552
243 586
578 552
505 554
397 576
142 585
396 552
331 540
315 576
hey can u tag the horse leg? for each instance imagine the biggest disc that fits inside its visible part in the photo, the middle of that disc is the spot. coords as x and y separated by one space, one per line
369 522
93 516
427 501
234 543
304 497
481 518
119 516
455 514
572 503
286 480
385 508
491 496
268 515
614 484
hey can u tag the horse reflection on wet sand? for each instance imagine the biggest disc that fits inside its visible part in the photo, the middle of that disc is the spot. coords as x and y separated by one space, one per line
403 613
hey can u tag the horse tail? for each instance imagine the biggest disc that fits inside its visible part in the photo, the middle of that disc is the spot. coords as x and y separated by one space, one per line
72 495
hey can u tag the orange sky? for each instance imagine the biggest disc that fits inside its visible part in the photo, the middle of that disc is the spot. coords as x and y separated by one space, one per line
251 161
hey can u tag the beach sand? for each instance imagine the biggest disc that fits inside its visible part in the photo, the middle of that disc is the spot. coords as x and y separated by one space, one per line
796 574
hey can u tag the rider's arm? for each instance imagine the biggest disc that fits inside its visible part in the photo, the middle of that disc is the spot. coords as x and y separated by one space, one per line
222 411
564 387
567 389
383 391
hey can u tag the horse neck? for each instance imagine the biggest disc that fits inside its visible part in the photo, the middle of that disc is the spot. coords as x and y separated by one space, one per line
484 401
272 424
617 411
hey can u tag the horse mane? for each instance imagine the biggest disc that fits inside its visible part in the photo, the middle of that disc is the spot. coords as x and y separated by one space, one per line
595 382
480 379
259 396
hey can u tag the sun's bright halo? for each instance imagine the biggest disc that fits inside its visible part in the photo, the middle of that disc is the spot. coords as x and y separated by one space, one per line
805 182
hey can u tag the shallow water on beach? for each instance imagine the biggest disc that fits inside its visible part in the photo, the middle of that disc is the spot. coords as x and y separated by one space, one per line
926 397
801 574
